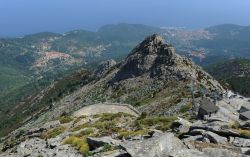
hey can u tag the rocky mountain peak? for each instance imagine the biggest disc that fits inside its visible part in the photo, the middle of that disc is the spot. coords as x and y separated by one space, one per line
151 45
154 58
150 57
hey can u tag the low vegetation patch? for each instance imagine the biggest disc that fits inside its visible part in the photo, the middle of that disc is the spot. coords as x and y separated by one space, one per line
107 147
65 119
80 144
162 123
128 134
102 127
53 132
106 122
244 132
85 133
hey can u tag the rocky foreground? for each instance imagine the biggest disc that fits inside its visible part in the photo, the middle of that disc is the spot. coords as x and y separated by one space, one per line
112 134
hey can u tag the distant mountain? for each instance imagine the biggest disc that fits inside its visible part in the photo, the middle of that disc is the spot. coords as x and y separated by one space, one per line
227 42
47 56
234 74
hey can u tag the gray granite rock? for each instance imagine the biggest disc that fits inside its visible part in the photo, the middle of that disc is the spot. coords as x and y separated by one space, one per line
193 138
38 147
165 145
98 142
241 142
214 138
216 152
182 125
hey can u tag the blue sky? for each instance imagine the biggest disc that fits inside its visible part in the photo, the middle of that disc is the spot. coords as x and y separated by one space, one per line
18 17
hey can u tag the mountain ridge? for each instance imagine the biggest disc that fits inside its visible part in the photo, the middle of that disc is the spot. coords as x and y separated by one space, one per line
164 92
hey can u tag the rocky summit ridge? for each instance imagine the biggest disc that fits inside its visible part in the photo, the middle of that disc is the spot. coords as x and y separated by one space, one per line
152 57
156 59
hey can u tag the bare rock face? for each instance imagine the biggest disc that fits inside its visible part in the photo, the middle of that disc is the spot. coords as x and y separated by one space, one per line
104 67
181 125
145 56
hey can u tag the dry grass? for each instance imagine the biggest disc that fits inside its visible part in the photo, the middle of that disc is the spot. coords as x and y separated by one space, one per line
244 132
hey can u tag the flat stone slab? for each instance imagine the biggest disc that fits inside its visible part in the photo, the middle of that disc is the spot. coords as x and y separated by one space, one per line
106 108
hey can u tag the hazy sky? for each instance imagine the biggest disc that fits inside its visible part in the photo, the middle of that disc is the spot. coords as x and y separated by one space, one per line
18 17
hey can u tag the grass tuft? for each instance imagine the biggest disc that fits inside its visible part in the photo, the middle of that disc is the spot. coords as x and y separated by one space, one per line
79 143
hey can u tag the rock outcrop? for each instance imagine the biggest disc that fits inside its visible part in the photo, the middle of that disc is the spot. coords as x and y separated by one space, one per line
104 67
165 145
